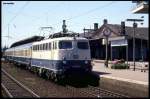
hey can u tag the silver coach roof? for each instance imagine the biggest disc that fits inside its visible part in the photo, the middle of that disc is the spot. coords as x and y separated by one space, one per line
58 39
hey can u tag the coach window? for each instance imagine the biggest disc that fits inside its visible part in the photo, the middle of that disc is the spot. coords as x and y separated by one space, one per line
49 46
36 47
55 46
46 46
41 47
33 47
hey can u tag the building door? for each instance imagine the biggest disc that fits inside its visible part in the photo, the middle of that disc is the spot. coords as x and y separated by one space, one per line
122 52
119 52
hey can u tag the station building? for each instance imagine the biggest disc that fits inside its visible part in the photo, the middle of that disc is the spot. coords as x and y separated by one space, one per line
141 7
120 44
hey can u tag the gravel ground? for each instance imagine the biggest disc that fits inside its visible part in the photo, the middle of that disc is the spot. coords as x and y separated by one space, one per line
42 87
3 94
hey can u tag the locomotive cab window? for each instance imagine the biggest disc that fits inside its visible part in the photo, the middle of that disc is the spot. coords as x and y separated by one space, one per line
65 44
82 45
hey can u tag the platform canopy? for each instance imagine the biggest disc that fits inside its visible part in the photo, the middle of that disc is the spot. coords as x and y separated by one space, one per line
28 40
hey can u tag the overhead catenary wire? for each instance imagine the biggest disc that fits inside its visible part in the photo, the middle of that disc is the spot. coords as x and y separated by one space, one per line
77 16
88 12
13 18
92 10
19 12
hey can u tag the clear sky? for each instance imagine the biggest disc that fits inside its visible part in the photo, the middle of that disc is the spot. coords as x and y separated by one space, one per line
23 19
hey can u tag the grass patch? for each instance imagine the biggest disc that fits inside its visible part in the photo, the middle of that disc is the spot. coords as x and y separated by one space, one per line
120 66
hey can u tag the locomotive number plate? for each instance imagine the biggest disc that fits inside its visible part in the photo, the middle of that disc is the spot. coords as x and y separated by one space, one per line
76 66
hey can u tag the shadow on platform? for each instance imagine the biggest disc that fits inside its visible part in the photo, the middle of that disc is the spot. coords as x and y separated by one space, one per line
101 73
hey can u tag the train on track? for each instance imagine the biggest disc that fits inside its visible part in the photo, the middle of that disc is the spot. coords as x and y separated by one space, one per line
54 57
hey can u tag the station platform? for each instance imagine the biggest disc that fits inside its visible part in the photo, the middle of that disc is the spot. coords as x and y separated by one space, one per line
127 75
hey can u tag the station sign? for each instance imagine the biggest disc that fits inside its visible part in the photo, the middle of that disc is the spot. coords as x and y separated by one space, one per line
122 42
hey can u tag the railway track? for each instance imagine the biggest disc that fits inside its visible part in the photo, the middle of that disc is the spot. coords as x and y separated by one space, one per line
97 92
57 91
13 88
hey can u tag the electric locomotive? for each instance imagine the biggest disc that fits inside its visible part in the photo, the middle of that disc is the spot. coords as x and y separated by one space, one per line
61 55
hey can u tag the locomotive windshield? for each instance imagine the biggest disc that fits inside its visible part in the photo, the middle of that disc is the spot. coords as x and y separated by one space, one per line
65 44
82 45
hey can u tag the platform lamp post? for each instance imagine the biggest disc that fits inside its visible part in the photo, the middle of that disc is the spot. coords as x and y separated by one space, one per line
106 33
134 27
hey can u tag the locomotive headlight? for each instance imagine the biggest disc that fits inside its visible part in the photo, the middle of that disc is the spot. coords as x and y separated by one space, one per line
64 62
86 62
64 58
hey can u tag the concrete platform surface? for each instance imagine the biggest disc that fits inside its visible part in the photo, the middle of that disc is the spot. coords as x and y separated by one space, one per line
127 75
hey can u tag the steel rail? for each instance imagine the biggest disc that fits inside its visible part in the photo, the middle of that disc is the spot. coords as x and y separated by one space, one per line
6 90
98 92
18 83
108 92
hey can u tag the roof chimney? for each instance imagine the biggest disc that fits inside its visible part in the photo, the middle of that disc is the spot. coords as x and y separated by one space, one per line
123 32
105 21
95 26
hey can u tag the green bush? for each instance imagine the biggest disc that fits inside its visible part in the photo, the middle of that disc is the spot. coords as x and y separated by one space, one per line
120 66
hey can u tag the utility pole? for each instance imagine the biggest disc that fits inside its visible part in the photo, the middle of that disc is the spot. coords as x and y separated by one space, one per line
8 3
134 27
8 35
